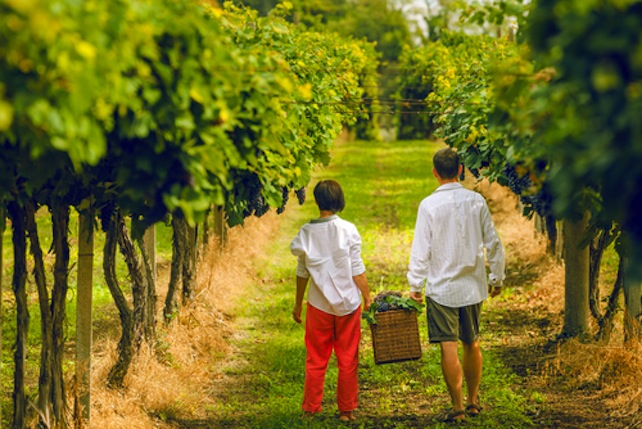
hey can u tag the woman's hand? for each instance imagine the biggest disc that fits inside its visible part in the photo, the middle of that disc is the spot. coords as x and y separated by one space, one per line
367 302
296 313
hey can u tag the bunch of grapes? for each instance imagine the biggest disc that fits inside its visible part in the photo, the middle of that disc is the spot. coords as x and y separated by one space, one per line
300 195
106 212
518 184
285 194
474 171
256 204
542 201
383 304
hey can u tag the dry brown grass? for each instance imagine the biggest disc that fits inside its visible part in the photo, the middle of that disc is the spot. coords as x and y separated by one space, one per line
613 371
177 383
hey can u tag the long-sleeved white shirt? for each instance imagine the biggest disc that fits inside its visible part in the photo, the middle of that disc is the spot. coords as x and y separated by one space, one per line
329 253
453 228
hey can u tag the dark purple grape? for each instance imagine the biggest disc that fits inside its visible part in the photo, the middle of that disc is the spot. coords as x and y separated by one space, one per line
300 195
384 306
285 194
518 184
381 296
260 207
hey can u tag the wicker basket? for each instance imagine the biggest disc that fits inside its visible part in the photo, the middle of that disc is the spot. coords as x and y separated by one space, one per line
395 336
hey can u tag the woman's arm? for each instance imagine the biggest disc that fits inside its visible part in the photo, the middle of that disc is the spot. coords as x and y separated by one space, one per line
301 285
362 283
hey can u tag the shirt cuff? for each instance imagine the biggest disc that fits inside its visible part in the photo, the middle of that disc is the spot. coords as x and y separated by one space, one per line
302 273
493 280
358 272
414 288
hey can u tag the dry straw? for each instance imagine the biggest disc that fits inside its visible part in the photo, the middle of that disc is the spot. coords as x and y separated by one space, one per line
178 384
612 370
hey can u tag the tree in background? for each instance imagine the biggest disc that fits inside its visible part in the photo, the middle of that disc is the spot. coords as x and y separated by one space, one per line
380 21
555 122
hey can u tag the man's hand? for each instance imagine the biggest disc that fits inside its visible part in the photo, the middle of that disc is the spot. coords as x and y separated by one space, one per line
296 313
493 291
417 296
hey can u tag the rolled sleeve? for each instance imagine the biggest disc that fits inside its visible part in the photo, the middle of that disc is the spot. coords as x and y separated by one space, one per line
301 269
418 266
297 250
356 262
494 248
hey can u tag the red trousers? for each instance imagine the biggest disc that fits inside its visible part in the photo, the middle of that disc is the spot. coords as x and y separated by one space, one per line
323 332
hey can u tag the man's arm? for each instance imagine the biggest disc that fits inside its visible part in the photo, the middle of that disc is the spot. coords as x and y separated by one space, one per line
418 266
494 254
362 283
301 285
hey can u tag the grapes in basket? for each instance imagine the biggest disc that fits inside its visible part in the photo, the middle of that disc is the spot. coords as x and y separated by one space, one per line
389 301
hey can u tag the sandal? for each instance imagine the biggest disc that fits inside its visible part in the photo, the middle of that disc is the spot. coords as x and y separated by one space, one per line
453 415
473 410
307 415
347 416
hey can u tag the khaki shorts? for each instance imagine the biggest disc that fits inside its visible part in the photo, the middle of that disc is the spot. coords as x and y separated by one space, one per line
450 324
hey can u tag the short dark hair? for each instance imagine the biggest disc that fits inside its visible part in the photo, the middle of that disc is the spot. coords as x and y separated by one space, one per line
446 162
329 196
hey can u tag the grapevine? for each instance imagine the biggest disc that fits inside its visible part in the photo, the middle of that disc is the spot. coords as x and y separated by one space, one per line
157 109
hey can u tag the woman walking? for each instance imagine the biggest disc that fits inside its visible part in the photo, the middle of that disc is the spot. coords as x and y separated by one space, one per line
329 259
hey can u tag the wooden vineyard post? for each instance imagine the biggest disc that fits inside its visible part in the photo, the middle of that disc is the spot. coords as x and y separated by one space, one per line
84 311
149 238
219 226
633 310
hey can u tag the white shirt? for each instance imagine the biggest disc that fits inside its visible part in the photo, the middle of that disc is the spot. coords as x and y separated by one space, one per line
329 253
453 228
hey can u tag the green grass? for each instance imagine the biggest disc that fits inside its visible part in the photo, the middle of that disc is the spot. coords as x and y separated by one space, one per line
383 184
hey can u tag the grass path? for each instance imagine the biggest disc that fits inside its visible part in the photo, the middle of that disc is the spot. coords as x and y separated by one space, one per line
262 383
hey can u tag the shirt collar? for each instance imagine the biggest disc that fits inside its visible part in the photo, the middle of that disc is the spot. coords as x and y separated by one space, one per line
449 186
325 219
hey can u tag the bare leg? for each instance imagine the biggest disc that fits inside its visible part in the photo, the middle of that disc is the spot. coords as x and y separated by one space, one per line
472 370
451 368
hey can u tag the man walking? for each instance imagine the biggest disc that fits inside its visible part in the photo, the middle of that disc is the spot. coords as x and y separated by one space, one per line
453 228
